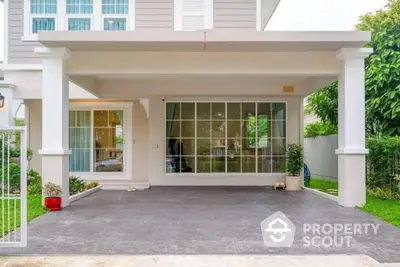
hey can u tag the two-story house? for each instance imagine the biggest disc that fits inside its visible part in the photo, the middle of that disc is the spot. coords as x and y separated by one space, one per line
176 92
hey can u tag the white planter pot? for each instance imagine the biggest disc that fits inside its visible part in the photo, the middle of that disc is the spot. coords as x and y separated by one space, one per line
293 183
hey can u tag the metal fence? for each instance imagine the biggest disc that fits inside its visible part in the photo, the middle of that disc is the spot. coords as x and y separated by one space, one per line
13 183
383 171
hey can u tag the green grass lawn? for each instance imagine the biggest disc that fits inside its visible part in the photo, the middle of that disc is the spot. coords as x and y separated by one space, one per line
35 209
386 209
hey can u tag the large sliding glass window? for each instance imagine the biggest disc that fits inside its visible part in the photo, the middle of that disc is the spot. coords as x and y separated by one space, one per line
225 137
96 141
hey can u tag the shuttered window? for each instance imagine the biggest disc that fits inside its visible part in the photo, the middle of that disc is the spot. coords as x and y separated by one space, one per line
192 15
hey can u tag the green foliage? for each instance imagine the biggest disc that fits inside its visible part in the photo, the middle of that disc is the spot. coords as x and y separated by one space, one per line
319 129
12 178
383 163
382 76
324 104
76 185
382 193
294 159
262 128
16 152
18 122
34 183
92 184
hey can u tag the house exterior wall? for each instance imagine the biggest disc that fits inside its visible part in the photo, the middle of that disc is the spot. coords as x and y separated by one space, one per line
155 14
148 140
19 52
148 14
235 14
33 120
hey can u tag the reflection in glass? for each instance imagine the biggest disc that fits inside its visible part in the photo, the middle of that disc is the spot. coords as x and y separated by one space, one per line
218 164
187 111
248 164
218 111
108 141
173 111
79 141
264 164
203 111
233 111
203 164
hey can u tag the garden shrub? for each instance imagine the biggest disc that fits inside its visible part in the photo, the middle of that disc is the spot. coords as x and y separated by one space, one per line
76 185
15 177
34 183
91 185
319 129
383 164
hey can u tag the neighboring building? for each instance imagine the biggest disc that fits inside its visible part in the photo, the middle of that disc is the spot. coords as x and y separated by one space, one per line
176 92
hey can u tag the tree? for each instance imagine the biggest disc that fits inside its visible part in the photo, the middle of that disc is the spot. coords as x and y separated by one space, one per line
382 76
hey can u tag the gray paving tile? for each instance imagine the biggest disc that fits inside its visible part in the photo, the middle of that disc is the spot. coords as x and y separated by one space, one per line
196 220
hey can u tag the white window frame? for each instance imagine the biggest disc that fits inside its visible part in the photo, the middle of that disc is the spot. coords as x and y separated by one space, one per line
61 18
33 16
208 16
127 108
115 16
195 173
130 17
79 16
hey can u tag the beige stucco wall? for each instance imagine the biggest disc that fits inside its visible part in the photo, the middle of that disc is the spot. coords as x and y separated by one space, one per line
148 145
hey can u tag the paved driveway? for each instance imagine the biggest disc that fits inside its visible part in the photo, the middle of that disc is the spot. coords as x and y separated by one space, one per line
196 220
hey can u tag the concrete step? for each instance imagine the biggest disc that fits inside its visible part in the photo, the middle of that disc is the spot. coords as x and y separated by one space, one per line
191 260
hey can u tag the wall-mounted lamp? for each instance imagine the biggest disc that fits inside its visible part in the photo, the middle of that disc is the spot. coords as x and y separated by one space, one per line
1 101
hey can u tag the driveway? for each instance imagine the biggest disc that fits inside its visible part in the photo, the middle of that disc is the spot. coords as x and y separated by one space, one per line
197 220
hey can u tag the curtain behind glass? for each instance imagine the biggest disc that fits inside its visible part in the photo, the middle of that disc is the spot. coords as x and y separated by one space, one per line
78 24
43 24
79 141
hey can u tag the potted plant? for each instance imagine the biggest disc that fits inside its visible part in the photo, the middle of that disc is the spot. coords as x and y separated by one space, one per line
294 164
52 200
15 154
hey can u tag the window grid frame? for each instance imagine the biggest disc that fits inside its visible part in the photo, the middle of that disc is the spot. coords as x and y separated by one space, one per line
79 16
115 16
92 139
42 16
241 173
79 5
44 4
61 17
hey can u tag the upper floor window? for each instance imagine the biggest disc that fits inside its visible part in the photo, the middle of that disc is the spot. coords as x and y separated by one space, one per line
79 6
43 24
78 15
43 15
192 15
78 24
43 6
114 24
115 6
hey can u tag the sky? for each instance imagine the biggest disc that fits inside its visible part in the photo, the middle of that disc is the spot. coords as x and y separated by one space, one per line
315 15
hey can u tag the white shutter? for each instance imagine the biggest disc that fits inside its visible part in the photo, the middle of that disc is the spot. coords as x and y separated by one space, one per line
191 15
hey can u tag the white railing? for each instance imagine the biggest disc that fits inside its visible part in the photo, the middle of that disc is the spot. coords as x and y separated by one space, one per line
13 184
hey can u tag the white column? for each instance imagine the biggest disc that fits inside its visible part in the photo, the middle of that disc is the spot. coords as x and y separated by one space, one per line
55 148
6 112
351 109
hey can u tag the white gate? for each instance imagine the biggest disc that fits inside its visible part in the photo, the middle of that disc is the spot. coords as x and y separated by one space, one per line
13 183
